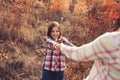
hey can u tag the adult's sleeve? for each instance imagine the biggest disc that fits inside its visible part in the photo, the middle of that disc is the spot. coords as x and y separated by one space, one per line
103 47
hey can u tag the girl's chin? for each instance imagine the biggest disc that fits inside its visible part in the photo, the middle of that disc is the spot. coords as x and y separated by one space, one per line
55 39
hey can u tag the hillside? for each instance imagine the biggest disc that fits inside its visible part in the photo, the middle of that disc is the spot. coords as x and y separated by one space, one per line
23 23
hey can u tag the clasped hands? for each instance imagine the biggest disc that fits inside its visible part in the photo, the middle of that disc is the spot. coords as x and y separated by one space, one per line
57 46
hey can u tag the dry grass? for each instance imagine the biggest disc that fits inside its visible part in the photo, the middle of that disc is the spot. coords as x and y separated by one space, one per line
21 37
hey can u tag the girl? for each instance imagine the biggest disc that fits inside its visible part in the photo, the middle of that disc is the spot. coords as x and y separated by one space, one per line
54 63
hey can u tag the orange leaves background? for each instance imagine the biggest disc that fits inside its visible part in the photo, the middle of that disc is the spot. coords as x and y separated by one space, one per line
83 6
60 5
24 22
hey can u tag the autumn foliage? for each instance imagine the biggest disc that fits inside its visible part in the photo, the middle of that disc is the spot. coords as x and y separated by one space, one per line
24 22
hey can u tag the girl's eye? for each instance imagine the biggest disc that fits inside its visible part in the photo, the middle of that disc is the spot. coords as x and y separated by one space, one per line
57 31
53 31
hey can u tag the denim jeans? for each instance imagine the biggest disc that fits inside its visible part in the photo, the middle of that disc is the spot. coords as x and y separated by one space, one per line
52 75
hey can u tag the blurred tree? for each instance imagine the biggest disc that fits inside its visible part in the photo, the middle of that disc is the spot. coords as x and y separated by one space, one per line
72 3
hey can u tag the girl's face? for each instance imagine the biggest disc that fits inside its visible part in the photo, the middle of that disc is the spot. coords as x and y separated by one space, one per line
55 33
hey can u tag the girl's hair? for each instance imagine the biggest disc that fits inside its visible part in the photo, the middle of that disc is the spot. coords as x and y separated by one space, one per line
51 26
117 24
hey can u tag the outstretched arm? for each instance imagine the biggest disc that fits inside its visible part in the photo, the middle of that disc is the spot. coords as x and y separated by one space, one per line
49 43
104 47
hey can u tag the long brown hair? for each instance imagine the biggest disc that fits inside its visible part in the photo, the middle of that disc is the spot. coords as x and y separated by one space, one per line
117 24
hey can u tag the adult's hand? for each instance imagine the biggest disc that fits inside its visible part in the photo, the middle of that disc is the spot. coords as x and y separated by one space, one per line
57 47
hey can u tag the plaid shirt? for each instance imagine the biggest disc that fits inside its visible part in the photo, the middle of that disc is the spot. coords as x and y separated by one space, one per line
54 61
104 51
